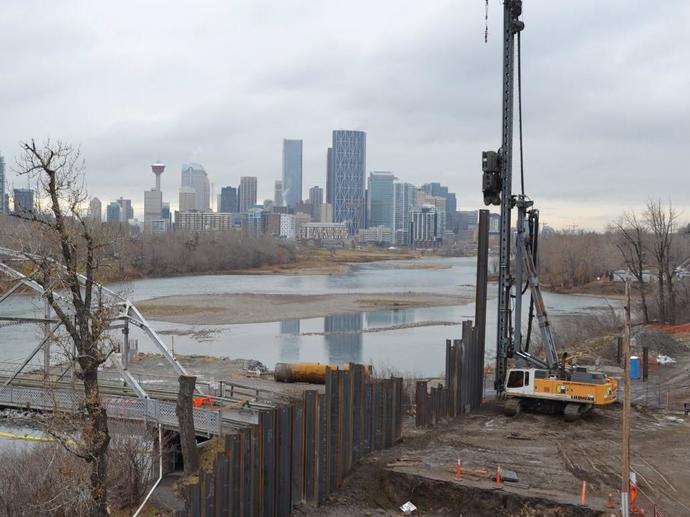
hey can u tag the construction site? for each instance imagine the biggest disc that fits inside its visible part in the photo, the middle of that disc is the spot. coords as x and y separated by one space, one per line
597 426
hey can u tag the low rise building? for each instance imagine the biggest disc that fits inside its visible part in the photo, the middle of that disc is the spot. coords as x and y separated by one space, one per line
424 227
287 226
324 231
202 221
375 235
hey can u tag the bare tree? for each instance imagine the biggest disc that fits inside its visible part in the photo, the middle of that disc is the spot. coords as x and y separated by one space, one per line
65 252
661 223
632 244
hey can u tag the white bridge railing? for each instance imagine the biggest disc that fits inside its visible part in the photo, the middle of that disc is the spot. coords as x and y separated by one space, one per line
162 412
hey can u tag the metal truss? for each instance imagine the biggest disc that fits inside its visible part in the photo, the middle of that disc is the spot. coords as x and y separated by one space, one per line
125 314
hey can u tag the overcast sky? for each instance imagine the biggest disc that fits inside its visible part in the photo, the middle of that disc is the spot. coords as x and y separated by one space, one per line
606 93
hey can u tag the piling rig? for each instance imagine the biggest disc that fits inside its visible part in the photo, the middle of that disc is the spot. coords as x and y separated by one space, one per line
546 384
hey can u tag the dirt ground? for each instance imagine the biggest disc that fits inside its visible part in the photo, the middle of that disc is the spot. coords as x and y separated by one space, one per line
551 458
225 309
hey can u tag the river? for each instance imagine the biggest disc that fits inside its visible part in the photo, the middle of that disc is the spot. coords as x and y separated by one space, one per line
335 339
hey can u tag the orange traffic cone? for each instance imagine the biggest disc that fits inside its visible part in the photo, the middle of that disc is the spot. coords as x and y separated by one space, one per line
610 503
583 494
633 499
458 471
499 477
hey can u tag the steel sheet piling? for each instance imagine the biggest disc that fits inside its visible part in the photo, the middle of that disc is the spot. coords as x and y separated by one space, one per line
311 444
283 463
323 455
297 453
302 450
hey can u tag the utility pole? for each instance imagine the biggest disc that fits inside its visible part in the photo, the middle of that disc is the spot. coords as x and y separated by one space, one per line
625 477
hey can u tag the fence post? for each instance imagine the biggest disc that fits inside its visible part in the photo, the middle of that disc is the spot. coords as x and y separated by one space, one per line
421 402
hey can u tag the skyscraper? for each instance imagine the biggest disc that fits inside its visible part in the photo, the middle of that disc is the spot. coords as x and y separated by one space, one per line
316 200
292 172
126 210
23 202
194 176
112 212
348 163
278 193
228 200
381 200
153 199
451 205
165 213
405 197
247 193
329 176
3 208
95 209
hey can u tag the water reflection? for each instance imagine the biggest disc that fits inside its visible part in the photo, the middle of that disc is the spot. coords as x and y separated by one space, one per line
389 318
290 342
343 333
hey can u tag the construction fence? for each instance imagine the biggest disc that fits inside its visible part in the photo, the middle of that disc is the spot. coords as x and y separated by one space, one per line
464 381
302 451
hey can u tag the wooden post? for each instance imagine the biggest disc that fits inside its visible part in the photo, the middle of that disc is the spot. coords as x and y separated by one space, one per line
625 476
185 417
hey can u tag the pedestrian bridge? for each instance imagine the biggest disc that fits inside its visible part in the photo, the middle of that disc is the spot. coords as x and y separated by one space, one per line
44 379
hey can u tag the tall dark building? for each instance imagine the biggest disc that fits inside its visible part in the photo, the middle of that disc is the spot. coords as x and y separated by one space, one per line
315 201
329 176
292 172
348 162
228 200
381 200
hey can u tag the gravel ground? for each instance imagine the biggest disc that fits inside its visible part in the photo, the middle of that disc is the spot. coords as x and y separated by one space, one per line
225 309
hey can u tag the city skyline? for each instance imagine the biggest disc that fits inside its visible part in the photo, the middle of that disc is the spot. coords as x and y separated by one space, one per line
430 127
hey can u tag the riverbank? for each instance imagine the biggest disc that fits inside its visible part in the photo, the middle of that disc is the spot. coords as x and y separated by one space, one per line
226 309
596 288
319 261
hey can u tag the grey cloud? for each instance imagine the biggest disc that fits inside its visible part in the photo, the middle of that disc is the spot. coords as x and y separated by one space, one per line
606 109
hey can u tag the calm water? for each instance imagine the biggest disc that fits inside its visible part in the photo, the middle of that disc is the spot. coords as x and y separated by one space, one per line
335 339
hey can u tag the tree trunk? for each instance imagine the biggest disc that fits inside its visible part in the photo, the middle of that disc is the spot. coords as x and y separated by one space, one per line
96 439
643 298
671 306
185 417
661 296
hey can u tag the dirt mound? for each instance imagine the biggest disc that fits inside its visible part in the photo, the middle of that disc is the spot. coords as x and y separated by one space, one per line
658 342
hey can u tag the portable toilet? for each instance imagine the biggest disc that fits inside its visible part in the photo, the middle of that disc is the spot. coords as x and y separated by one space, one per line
635 367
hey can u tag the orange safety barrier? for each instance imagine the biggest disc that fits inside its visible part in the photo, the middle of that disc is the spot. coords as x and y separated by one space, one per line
202 401
499 477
